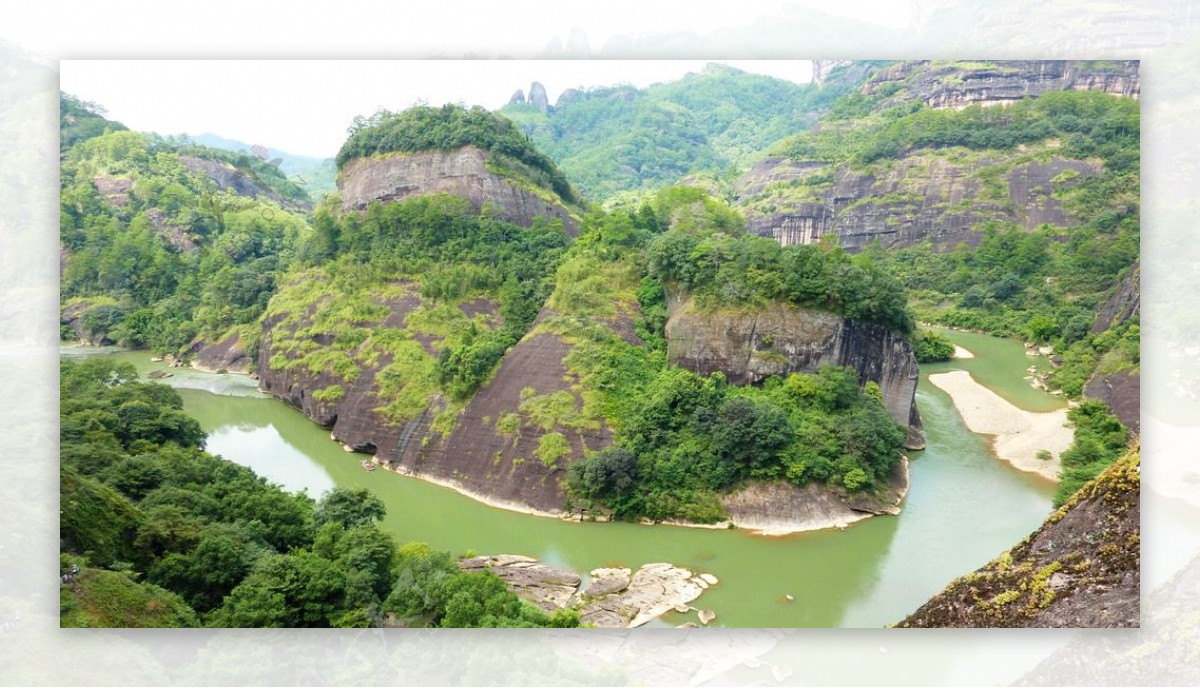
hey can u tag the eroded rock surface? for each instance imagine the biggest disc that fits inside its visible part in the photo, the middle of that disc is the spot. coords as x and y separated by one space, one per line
1081 569
615 597
462 172
778 508
749 346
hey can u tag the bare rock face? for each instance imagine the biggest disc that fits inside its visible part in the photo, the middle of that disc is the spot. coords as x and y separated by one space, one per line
781 339
778 508
920 196
114 190
228 355
461 172
1125 303
538 98
1122 392
228 178
548 587
518 98
959 84
822 68
1081 569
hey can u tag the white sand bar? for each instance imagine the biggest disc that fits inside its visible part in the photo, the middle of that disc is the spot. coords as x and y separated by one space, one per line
1019 434
960 352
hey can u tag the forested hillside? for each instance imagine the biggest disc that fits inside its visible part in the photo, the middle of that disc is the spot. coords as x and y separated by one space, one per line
619 138
168 245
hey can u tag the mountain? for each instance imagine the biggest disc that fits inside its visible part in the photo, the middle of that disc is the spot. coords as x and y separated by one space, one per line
619 138
314 175
1004 195
446 322
167 244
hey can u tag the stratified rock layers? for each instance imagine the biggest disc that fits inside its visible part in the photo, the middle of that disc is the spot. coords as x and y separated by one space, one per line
462 172
749 346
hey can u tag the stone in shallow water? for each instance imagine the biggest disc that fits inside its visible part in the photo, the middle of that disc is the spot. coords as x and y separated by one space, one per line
708 578
707 616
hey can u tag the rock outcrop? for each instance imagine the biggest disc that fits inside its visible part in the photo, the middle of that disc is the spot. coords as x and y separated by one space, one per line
924 195
228 178
228 354
935 194
749 346
1121 390
1081 569
538 98
614 598
959 84
780 508
463 172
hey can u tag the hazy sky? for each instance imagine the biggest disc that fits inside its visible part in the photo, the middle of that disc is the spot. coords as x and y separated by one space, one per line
304 107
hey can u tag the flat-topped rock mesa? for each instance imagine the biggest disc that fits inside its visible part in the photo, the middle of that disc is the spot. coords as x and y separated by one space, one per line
1081 569
466 172
749 346
945 84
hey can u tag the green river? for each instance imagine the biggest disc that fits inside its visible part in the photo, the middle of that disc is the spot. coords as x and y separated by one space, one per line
964 507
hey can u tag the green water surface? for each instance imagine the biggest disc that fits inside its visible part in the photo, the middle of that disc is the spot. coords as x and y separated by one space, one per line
964 507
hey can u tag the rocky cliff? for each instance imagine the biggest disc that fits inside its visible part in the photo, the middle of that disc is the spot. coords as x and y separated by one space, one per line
492 450
945 84
1121 390
1081 569
466 172
931 195
932 192
749 346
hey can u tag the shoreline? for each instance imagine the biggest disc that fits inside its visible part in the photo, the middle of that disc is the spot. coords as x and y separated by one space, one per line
774 529
1017 435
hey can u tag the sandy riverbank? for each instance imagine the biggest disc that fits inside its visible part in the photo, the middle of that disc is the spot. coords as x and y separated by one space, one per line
960 352
1018 434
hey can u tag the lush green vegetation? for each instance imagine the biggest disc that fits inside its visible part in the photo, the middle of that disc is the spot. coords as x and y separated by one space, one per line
619 138
931 347
1043 286
165 534
429 250
79 120
451 127
724 267
158 256
1100 439
681 440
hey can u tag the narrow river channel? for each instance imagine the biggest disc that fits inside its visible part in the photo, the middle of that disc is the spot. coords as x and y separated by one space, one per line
964 507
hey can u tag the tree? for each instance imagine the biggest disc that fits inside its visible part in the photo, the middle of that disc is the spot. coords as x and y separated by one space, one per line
349 508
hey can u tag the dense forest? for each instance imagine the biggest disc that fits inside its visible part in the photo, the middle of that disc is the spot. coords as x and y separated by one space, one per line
156 532
615 139
158 253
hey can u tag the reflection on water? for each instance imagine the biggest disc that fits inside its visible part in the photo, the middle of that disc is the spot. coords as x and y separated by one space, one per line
964 507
